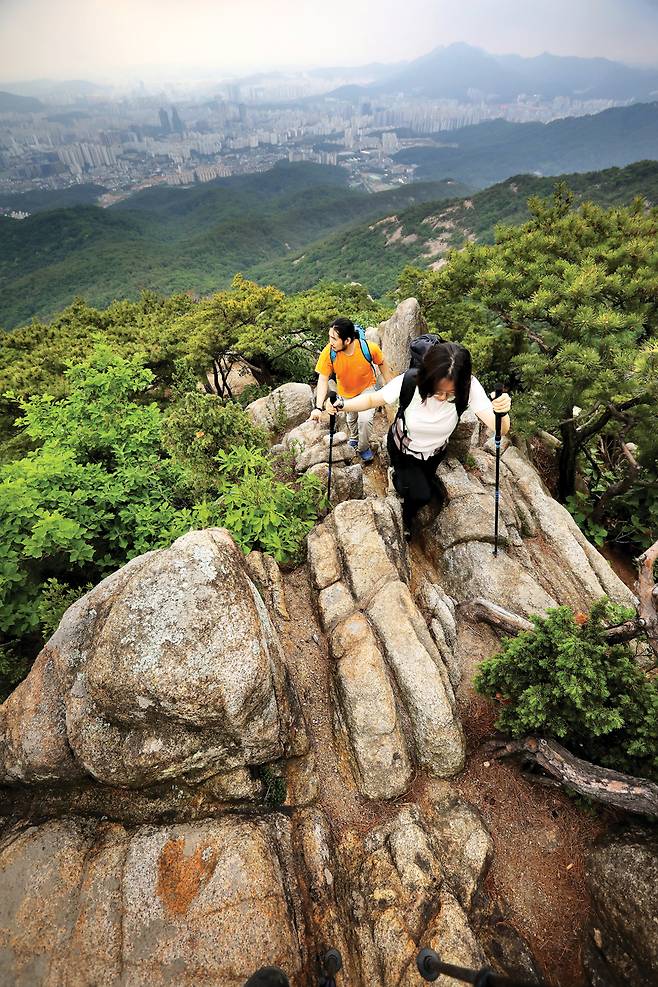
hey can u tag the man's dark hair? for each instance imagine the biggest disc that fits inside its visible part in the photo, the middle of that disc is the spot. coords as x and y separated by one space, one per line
268 976
446 361
344 328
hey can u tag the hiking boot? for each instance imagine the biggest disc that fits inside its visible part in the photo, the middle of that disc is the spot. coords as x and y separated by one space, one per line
353 443
367 455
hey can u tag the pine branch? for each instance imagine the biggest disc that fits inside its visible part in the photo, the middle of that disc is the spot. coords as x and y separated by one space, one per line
524 330
481 610
611 411
621 485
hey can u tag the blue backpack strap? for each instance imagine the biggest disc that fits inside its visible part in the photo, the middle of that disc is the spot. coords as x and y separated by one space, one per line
363 343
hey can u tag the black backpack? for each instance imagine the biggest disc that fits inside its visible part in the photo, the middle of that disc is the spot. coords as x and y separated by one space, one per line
418 347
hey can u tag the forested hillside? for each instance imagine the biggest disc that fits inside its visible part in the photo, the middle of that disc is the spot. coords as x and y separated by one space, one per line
375 253
490 152
169 240
114 442
40 200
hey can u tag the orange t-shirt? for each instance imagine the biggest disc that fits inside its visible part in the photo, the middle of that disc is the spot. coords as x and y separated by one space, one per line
353 373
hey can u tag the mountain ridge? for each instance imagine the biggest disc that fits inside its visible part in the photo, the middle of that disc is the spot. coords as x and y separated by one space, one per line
375 253
453 70
488 152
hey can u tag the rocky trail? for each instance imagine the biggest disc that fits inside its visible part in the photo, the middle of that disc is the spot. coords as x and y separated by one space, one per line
214 765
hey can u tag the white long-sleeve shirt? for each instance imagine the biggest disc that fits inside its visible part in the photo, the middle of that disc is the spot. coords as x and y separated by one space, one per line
430 423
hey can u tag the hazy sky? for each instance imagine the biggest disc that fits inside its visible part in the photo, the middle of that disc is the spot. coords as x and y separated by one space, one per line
99 39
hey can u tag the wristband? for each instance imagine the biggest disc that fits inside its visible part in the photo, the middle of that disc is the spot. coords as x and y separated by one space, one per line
318 408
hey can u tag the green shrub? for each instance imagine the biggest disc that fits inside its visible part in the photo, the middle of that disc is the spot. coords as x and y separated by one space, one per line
98 488
200 426
564 680
56 597
580 507
261 511
95 493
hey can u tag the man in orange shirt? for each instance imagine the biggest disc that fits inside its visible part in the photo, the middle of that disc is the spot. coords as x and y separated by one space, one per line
355 374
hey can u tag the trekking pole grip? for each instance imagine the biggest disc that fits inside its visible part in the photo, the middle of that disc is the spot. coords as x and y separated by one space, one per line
333 396
498 390
331 962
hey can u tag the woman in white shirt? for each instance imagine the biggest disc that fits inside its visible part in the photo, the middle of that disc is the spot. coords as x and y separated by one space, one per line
443 388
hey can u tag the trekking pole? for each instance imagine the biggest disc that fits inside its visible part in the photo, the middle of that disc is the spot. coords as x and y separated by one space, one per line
332 429
499 419
430 968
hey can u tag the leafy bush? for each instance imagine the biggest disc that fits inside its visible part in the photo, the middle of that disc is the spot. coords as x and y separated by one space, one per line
100 488
580 507
260 510
97 491
198 427
563 679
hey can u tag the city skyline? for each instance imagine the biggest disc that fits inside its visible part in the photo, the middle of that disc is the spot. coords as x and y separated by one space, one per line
152 41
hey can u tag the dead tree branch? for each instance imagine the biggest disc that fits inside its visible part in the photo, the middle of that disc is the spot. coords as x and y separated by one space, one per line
484 611
601 784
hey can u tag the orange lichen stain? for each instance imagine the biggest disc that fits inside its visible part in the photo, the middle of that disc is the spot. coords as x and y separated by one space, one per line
181 877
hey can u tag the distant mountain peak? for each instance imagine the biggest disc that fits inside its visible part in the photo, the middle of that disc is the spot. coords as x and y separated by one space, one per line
459 69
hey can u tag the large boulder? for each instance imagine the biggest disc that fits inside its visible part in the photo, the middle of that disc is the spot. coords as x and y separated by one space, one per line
622 876
169 668
285 407
543 561
239 378
90 903
395 334
367 704
346 481
402 900
309 445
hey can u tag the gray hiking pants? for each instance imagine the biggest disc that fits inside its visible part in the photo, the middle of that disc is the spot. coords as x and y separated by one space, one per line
360 424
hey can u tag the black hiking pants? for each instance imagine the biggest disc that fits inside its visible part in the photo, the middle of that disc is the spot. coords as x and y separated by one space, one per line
413 479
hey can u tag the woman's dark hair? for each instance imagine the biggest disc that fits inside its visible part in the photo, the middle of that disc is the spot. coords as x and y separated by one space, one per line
344 328
451 361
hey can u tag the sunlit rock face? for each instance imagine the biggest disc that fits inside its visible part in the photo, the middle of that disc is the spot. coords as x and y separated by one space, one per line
169 668
88 902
